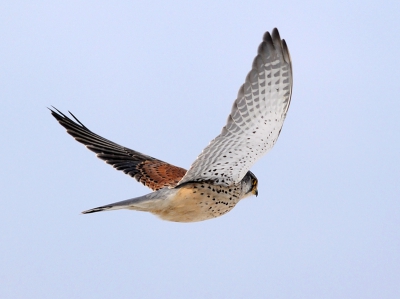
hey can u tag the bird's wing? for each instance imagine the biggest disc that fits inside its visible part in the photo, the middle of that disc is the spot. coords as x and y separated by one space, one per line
151 172
255 121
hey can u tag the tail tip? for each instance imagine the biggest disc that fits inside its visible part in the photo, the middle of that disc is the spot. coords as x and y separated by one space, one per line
99 209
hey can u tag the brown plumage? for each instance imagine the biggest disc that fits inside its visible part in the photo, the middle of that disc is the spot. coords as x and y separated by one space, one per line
157 174
151 172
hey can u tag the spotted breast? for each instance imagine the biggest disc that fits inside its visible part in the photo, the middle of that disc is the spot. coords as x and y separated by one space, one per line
199 201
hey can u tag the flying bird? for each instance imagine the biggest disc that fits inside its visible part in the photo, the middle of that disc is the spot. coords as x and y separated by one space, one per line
220 176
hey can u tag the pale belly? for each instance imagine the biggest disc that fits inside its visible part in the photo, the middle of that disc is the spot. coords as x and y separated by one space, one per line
198 202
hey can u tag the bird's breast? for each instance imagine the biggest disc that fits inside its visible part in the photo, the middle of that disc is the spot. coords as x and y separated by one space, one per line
199 201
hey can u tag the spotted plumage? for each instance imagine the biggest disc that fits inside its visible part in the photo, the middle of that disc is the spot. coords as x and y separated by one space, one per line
219 178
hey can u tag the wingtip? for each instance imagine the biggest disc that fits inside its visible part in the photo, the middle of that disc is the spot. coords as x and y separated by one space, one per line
277 41
56 113
61 117
275 34
286 53
83 126
267 37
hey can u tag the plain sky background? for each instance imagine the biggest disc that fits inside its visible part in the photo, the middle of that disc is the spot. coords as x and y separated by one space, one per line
160 77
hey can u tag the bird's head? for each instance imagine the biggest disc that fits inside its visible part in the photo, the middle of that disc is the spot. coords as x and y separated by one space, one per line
250 184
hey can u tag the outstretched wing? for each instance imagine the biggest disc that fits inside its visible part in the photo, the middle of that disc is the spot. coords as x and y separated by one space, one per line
151 172
255 121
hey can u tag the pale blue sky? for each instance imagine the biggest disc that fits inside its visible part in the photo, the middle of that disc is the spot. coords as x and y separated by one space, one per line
160 77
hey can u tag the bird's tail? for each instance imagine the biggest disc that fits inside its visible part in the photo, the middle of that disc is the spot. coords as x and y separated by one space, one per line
149 202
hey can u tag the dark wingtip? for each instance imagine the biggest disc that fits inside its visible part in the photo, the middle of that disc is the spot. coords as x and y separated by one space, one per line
57 113
267 37
275 34
61 118
276 38
286 53
83 126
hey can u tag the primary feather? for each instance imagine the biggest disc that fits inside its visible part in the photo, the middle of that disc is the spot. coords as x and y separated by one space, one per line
255 121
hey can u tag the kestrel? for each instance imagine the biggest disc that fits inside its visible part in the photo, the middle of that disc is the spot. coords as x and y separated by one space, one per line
219 178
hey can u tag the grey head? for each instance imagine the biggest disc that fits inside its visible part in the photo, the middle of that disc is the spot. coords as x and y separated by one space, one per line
249 184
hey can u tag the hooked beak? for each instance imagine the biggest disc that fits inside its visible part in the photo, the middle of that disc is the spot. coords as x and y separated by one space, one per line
256 193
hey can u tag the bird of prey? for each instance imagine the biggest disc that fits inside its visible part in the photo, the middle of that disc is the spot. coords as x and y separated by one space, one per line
220 176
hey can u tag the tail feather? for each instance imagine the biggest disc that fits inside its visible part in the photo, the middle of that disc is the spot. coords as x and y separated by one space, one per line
149 202
125 204
99 209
